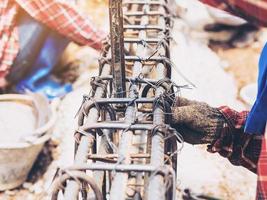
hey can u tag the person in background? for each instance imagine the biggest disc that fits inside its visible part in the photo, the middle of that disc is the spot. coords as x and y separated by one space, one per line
238 136
33 35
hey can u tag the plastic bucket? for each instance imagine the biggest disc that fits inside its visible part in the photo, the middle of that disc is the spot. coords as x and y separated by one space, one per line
18 157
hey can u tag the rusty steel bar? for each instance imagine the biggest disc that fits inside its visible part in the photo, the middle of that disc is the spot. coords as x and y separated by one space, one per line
86 143
117 46
141 51
118 125
137 166
145 2
134 79
140 13
146 40
144 27
122 100
119 184
146 59
156 189
78 176
113 156
114 167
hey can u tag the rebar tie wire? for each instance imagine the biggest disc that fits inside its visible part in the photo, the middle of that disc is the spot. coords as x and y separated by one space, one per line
164 101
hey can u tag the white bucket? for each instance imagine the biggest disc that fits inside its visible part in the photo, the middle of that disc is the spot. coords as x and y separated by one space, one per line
19 152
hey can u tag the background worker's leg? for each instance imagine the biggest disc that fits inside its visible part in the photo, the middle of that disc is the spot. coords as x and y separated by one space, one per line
32 36
40 50
39 80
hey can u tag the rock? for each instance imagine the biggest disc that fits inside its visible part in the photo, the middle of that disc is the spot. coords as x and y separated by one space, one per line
10 192
27 185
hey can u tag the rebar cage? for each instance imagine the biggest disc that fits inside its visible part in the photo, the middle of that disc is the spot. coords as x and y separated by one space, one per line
125 146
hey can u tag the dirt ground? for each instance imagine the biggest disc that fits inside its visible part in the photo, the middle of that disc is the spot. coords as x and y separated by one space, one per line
218 177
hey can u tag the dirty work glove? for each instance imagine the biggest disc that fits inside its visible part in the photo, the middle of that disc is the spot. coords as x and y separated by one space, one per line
196 121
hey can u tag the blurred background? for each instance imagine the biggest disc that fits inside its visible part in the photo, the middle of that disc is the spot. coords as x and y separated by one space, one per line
216 52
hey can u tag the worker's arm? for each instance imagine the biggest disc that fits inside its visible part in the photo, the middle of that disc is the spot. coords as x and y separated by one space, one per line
65 19
251 10
221 128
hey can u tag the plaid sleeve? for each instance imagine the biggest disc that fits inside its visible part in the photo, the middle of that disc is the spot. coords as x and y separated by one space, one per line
241 149
251 10
262 171
64 18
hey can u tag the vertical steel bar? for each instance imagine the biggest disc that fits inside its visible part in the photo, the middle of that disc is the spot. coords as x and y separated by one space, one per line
117 46
102 150
156 189
119 184
86 143
142 51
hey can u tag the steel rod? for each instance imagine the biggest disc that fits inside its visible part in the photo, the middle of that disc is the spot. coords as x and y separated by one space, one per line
117 46
156 189
140 13
101 101
86 143
123 168
136 79
146 40
116 125
119 185
145 59
111 156
145 2
145 27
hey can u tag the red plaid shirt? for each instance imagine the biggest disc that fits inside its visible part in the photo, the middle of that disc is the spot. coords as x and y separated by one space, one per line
241 149
59 16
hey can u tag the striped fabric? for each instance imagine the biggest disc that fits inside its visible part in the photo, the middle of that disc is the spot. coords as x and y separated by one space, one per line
249 151
262 171
241 149
57 15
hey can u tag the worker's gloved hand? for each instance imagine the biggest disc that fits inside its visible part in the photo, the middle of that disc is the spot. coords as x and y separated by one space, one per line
197 121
